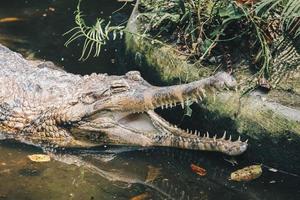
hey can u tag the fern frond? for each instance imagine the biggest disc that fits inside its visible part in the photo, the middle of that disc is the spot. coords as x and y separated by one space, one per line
289 13
95 36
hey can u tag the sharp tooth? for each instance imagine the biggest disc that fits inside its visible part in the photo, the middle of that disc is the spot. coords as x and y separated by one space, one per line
246 141
239 139
229 137
207 134
196 100
195 132
215 138
167 106
224 136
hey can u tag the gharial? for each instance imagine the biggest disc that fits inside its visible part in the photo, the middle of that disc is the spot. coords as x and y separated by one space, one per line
42 105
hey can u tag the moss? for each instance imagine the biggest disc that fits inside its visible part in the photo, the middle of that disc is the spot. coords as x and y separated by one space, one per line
174 65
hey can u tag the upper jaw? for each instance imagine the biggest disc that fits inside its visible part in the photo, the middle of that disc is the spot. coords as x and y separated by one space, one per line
143 98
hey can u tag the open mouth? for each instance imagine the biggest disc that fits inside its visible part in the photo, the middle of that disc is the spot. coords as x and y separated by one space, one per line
163 130
166 117
133 118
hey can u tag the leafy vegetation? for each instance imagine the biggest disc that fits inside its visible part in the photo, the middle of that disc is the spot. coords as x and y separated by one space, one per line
204 29
222 32
95 36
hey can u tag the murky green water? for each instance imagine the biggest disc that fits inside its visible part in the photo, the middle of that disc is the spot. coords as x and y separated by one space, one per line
111 172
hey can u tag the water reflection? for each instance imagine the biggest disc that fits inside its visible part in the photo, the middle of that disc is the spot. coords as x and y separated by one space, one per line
124 172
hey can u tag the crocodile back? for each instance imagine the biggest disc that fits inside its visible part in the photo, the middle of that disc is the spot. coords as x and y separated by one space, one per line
27 90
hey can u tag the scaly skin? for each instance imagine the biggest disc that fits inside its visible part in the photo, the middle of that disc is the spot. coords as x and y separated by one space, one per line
40 104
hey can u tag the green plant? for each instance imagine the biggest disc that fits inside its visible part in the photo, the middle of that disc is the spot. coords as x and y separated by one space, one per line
95 36
201 29
288 13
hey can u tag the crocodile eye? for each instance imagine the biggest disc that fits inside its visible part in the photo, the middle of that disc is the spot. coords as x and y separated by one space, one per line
119 86
91 97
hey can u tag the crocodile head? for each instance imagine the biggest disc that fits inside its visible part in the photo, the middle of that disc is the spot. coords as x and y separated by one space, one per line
123 113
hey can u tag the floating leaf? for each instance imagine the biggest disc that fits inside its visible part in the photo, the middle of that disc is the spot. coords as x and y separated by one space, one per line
246 174
198 170
39 158
10 19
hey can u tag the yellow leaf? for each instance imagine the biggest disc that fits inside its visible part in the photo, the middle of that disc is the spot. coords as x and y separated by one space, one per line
246 174
39 158
10 19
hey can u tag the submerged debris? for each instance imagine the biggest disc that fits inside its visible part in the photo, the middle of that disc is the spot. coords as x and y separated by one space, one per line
246 174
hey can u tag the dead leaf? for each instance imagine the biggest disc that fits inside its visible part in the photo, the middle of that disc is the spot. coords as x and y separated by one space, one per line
39 158
246 174
10 19
198 170
141 196
152 174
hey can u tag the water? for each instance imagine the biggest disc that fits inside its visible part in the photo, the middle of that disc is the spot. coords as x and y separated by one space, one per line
112 172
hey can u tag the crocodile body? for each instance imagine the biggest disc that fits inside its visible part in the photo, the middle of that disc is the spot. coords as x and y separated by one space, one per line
40 104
